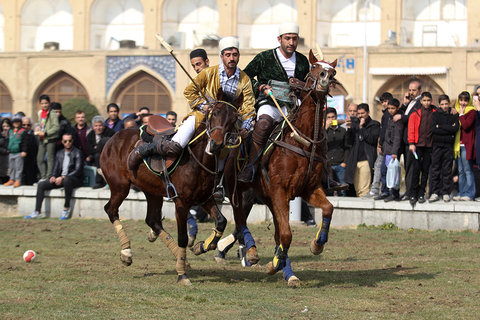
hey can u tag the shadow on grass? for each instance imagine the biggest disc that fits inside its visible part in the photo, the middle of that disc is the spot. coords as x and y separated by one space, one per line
309 278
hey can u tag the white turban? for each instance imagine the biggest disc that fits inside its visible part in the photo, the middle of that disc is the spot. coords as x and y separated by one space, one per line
288 27
228 42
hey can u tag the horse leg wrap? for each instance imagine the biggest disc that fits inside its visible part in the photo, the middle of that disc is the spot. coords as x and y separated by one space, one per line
122 235
247 238
226 243
322 235
181 258
211 242
279 259
287 270
192 226
169 242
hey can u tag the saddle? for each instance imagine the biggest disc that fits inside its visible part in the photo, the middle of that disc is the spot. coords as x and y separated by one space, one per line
158 129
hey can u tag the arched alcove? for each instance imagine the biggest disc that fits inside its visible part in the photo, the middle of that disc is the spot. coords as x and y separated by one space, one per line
187 24
114 20
46 21
6 100
60 87
142 89
341 23
258 21
398 87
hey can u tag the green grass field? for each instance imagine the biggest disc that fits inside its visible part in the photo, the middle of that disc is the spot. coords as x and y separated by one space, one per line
368 273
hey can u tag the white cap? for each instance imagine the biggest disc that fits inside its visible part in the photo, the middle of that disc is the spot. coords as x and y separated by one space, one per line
288 27
228 42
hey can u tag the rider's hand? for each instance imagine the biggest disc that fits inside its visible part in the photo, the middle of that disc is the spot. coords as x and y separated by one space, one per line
264 88
244 133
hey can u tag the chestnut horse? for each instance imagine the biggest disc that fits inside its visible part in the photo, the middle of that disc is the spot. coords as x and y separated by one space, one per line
193 178
292 170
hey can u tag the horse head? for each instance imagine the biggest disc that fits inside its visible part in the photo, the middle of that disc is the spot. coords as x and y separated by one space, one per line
322 75
221 130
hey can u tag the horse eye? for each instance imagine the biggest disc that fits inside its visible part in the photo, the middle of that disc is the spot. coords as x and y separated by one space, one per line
314 66
322 74
214 113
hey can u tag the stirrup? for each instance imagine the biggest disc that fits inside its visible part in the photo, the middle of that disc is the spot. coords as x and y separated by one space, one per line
167 187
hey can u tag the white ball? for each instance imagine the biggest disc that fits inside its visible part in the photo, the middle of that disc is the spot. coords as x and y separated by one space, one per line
29 256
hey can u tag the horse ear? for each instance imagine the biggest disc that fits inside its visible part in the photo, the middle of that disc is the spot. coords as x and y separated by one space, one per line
312 57
334 63
239 100
220 94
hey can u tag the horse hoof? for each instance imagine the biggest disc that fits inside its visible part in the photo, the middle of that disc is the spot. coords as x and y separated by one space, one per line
198 248
126 256
252 255
220 260
270 269
293 282
183 280
315 248
191 241
152 236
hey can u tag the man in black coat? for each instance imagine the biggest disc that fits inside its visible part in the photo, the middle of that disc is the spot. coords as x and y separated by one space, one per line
30 168
96 140
444 127
363 137
337 147
411 101
67 173
65 126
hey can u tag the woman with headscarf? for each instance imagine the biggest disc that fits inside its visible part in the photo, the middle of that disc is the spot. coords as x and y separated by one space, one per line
464 147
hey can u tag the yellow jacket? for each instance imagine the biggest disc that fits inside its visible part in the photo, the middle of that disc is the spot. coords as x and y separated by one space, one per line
209 82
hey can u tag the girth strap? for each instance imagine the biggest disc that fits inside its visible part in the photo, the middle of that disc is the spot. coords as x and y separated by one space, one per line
297 150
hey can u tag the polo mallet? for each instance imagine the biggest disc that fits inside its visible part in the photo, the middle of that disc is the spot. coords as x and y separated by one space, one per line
294 133
170 50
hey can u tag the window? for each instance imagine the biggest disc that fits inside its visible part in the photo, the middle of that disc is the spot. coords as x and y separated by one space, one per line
62 87
141 90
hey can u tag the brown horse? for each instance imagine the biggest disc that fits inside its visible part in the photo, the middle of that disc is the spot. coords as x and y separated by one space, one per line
291 170
194 181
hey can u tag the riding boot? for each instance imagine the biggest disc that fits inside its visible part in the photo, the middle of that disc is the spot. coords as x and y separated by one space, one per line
169 148
219 193
260 134
135 157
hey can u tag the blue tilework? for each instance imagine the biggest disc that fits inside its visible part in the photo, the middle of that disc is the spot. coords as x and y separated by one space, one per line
119 65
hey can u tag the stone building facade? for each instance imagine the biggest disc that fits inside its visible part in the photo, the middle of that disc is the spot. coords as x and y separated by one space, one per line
105 50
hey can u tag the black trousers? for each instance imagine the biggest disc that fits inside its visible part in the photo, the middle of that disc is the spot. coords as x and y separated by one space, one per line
441 170
69 183
417 176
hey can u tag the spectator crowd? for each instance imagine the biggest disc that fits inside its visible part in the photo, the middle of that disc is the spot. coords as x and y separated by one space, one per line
435 141
52 152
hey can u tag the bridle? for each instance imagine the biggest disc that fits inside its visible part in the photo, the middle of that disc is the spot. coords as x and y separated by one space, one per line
230 139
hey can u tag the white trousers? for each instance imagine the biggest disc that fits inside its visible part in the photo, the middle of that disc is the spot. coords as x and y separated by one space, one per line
272 111
185 131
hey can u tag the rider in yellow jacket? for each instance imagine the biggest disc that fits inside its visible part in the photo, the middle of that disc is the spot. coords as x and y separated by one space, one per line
226 78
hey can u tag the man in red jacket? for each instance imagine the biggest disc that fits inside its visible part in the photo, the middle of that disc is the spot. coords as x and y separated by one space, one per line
420 142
